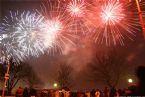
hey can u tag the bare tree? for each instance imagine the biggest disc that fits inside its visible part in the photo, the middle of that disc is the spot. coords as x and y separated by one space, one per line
18 72
108 68
2 73
64 76
32 79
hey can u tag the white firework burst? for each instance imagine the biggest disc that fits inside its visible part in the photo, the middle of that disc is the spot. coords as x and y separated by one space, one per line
24 35
57 25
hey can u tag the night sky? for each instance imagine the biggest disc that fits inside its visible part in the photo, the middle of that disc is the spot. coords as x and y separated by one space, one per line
78 56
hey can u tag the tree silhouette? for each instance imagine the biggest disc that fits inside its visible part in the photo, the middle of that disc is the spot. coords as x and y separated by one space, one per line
32 79
108 68
64 76
18 73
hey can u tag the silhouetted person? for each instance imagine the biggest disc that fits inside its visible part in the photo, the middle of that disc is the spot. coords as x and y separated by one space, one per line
141 84
93 93
73 94
26 92
88 94
106 92
113 92
19 92
97 93
33 92
132 89
120 92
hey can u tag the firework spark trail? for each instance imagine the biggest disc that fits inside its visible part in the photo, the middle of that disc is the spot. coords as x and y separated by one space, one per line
4 55
115 23
24 35
142 5
76 8
30 36
57 23
8 26
52 29
2 51
77 11
112 13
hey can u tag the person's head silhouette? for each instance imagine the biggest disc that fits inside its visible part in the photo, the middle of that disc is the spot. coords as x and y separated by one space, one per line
141 73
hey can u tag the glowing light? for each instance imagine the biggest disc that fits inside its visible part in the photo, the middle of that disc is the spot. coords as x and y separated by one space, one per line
55 85
57 26
54 26
112 13
130 80
52 29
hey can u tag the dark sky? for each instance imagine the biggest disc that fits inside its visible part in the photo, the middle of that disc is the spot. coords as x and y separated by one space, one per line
78 57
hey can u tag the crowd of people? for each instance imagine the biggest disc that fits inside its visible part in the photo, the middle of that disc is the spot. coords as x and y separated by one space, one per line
132 91
20 92
129 92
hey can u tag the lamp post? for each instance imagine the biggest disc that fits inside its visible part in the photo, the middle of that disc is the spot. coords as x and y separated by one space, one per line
6 79
141 17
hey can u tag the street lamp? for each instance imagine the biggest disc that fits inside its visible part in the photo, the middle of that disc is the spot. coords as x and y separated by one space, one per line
130 80
141 17
55 85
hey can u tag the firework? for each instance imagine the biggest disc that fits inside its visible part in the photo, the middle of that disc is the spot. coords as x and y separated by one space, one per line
116 22
78 12
76 8
112 13
57 25
24 35
52 29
